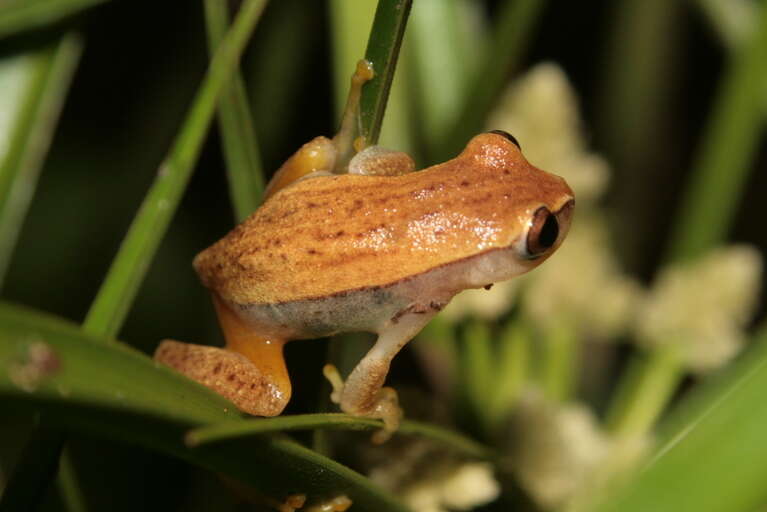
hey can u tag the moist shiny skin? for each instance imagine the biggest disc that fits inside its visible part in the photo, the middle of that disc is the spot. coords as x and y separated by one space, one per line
329 236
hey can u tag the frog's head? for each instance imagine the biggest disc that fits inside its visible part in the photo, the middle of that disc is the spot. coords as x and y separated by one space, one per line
534 207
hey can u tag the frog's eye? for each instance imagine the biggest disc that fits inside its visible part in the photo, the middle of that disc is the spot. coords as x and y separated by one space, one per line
543 232
507 135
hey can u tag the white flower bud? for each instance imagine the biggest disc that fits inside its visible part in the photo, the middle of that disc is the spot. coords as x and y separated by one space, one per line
702 307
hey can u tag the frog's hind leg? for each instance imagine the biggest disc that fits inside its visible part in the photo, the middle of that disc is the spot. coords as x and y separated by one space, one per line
250 371
363 393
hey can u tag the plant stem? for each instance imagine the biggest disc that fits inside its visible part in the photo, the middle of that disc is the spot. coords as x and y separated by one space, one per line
51 70
725 153
645 389
382 51
513 371
68 484
479 370
243 162
560 358
129 267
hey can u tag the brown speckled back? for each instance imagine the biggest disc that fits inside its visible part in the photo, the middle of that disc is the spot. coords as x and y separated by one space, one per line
327 235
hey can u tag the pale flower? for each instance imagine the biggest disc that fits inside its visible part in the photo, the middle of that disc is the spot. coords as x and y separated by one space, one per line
555 448
702 307
444 482
541 110
583 282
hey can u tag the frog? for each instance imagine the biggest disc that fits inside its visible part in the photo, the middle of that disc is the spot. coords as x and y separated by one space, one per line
352 238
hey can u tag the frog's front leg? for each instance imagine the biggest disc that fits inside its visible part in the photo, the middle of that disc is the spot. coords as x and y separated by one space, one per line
250 371
363 393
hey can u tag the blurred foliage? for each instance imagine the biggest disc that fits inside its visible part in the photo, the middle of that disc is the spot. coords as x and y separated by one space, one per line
573 378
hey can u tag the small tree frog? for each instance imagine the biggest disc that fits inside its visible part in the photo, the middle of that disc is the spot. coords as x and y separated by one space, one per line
363 243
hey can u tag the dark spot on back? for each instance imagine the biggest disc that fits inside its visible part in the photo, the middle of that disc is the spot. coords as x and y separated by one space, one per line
464 183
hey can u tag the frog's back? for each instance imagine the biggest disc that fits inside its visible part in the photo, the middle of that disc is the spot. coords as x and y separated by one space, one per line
334 234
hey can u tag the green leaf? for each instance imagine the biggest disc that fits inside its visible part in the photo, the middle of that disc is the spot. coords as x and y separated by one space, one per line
44 77
247 428
243 162
129 267
382 51
109 389
20 15
713 455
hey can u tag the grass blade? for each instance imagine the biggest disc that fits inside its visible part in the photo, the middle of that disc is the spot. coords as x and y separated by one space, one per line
50 365
129 267
50 71
247 428
20 15
383 50
243 161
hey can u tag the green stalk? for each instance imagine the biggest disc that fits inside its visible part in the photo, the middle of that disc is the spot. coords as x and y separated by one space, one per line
560 357
644 390
718 176
51 71
243 162
510 38
382 51
513 371
129 267
234 430
350 22
725 153
69 485
21 15
479 369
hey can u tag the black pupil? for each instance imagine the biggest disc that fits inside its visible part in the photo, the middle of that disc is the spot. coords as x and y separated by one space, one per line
549 232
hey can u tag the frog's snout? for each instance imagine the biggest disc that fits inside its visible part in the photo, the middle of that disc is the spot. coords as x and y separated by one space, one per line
565 216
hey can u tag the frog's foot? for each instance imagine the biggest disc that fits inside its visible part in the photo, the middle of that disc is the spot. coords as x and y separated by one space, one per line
229 374
296 501
381 403
378 161
317 158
